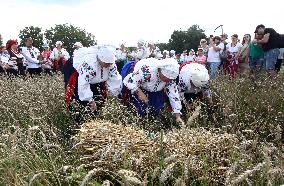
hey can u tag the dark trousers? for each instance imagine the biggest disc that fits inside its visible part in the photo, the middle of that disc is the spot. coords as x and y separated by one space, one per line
79 112
48 72
119 65
278 65
34 71
190 98
12 72
21 69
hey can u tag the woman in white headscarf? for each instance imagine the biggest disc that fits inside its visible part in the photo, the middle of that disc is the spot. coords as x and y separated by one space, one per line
59 56
148 82
142 52
97 73
193 83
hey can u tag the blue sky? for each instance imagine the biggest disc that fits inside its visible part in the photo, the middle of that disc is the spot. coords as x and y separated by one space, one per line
116 21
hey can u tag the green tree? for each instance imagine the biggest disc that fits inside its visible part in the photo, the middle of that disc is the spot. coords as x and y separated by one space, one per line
69 34
186 40
163 46
35 33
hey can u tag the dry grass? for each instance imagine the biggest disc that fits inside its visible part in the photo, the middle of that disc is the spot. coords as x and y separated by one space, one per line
240 144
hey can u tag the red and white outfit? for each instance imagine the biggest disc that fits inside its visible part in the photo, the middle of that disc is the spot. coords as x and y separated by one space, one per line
58 56
47 63
231 64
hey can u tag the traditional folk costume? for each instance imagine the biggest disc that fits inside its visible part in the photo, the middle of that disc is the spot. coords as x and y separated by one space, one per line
8 65
46 61
193 82
16 56
231 65
16 59
120 59
142 51
32 57
93 80
145 76
59 57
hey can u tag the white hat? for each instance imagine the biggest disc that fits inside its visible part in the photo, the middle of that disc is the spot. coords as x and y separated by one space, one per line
159 56
58 43
169 68
106 55
141 41
165 51
172 52
78 44
45 45
198 74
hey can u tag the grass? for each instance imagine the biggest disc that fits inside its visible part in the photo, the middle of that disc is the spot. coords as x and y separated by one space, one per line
236 141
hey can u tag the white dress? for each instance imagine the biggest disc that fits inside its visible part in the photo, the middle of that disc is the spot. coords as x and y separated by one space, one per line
56 55
145 76
91 72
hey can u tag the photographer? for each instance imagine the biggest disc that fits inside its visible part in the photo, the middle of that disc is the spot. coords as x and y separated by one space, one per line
271 42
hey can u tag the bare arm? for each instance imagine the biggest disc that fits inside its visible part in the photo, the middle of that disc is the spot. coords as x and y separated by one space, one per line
264 39
216 48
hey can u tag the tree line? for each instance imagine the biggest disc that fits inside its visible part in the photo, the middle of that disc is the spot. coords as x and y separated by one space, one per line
179 41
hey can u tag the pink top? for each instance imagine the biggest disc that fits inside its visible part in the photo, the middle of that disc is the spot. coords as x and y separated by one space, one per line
201 59
46 54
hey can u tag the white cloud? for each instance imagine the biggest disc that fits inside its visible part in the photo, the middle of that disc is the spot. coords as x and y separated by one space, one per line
112 21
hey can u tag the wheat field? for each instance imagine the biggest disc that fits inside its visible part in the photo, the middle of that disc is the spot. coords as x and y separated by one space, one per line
236 141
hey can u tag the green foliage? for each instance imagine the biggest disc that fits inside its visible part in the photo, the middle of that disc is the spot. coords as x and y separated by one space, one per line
163 46
35 33
186 40
69 34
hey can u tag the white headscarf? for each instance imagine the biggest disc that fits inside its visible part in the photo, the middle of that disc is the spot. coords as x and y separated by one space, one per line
106 55
78 44
58 43
169 68
90 54
198 74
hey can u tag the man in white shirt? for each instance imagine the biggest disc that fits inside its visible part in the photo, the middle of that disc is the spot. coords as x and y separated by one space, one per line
31 54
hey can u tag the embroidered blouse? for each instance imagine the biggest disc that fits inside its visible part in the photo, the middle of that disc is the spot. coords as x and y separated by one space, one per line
56 55
185 85
145 76
91 72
